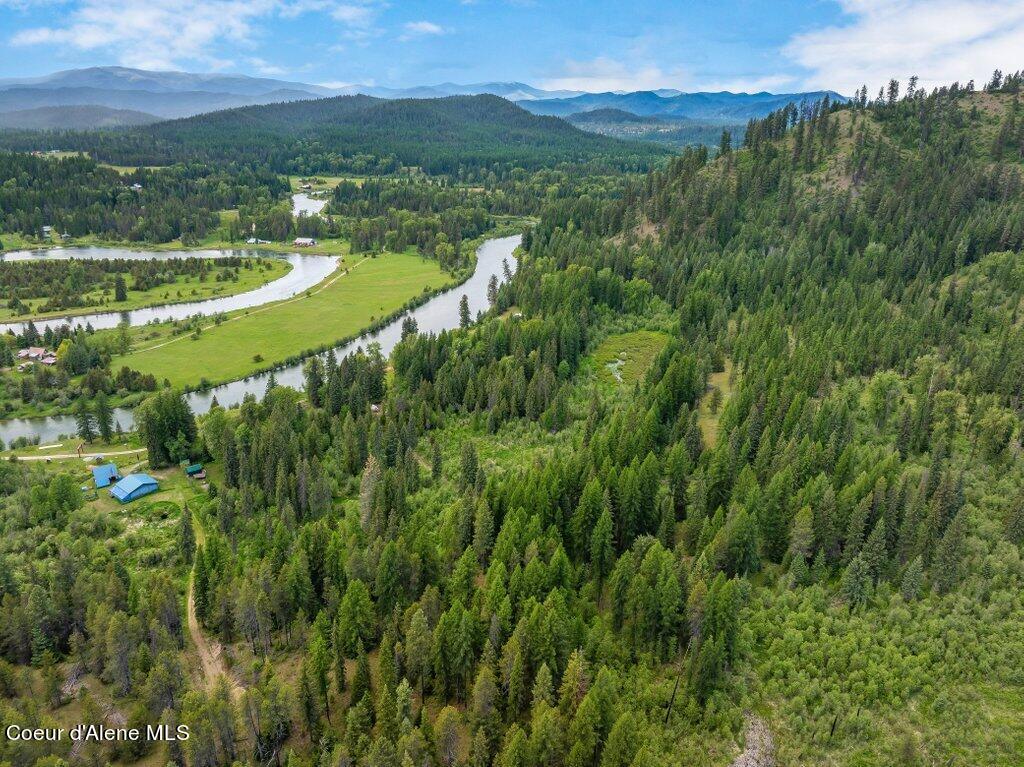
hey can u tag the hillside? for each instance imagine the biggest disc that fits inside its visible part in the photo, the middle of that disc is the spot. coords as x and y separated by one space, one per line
74 118
439 135
667 130
722 106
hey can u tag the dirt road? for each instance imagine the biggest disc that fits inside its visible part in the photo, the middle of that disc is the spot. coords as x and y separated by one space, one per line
759 750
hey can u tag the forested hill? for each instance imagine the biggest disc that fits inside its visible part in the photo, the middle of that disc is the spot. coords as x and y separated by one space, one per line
360 133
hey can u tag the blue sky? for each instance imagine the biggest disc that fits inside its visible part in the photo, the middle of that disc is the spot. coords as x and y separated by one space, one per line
587 45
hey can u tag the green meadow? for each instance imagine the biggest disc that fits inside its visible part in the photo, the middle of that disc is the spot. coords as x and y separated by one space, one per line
254 339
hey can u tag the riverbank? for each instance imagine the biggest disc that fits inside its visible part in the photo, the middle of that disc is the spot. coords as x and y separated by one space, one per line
351 299
265 271
432 315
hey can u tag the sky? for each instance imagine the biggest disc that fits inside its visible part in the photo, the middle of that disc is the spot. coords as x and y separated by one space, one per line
594 45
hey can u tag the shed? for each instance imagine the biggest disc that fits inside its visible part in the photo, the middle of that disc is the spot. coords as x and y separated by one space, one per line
195 468
134 486
103 475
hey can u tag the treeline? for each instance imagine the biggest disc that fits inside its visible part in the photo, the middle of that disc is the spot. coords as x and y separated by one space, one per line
77 196
64 283
358 134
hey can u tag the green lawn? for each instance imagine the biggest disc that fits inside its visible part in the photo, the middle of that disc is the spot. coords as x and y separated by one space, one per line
185 288
624 358
341 307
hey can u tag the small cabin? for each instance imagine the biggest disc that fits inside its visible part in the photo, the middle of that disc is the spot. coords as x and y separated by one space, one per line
134 486
103 476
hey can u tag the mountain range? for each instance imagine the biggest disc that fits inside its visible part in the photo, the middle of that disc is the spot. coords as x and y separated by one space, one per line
169 95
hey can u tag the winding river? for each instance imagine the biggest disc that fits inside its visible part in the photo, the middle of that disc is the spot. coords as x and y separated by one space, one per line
439 313
306 272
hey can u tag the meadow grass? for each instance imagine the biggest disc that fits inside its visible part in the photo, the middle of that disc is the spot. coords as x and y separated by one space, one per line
623 358
707 419
253 339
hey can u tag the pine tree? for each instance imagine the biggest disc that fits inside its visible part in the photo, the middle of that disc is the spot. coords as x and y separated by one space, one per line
913 578
104 416
84 420
186 536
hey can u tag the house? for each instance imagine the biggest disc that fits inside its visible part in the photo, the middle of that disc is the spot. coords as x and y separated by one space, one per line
256 241
304 242
32 353
306 186
134 486
103 476
195 471
47 232
65 236
136 187
50 359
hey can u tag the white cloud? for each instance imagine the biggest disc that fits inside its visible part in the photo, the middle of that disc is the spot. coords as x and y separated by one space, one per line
163 34
421 29
606 74
940 41
265 68
155 35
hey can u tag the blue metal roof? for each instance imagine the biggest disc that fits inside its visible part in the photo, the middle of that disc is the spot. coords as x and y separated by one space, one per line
130 485
104 475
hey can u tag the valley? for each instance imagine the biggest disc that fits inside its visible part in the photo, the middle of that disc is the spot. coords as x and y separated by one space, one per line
427 428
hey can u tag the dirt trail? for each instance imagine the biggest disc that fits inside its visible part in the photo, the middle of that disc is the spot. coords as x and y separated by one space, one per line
83 456
759 750
211 660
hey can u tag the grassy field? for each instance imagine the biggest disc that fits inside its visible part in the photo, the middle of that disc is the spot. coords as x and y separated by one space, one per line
624 358
185 288
706 419
253 339
15 241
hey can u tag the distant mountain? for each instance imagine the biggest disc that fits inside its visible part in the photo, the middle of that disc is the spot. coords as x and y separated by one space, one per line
183 94
125 79
162 104
723 106
513 91
74 118
323 135
598 116
669 130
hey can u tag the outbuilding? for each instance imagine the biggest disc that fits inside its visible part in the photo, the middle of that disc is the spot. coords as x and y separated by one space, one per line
103 475
134 486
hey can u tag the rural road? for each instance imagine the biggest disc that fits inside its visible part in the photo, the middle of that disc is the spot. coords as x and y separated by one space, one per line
211 660
759 750
83 456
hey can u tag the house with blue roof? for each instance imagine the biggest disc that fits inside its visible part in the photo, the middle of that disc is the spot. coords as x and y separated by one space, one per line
134 486
103 475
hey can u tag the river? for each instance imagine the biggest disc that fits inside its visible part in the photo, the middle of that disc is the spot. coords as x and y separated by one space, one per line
305 203
306 271
439 313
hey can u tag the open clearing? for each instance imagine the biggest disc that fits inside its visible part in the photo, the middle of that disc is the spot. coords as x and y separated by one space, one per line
341 307
624 358
707 418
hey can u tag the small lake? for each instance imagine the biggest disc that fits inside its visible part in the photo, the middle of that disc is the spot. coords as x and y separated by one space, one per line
439 313
306 271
